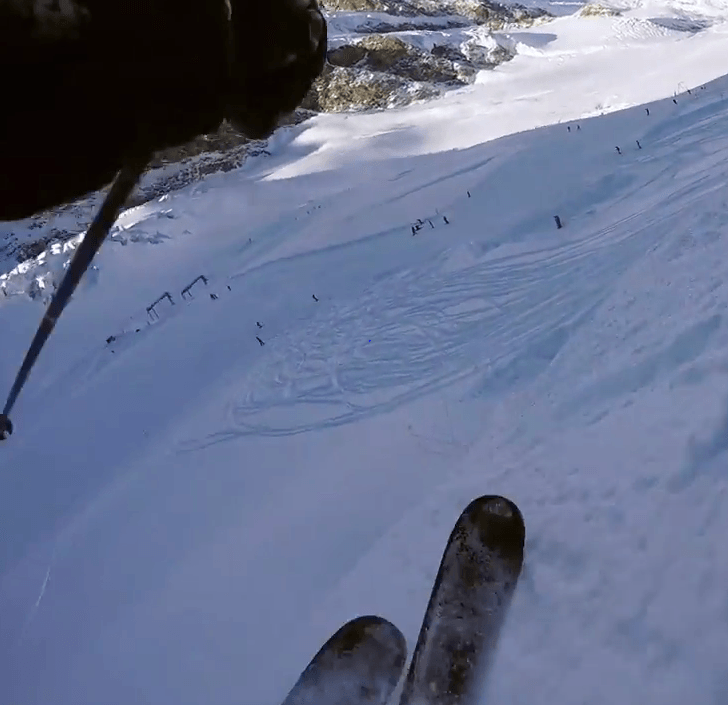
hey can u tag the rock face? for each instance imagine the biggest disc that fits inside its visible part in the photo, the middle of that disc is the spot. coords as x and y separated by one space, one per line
384 64
594 9
495 14
382 71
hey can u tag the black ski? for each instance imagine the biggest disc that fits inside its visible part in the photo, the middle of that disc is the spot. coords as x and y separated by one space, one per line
469 601
361 663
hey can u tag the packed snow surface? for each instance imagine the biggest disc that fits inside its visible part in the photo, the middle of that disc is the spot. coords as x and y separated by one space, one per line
187 513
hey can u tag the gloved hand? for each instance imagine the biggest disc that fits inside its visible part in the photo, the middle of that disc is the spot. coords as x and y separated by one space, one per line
272 71
86 83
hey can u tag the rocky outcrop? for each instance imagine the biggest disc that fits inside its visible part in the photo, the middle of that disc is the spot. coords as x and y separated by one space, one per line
482 12
594 9
341 89
384 69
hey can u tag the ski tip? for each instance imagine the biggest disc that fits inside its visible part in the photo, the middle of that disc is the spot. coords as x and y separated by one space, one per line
6 427
368 619
501 520
496 505
367 626
362 661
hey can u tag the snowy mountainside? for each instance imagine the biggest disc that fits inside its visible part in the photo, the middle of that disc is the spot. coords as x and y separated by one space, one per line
188 512
165 492
383 55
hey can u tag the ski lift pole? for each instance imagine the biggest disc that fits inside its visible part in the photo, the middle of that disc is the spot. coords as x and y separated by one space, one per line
120 190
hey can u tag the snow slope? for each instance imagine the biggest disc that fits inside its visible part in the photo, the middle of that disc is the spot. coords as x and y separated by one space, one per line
186 514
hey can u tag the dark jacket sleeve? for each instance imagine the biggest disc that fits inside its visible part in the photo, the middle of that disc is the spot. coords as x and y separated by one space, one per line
87 82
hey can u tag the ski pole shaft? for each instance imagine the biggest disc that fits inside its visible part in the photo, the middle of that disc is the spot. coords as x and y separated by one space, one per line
121 188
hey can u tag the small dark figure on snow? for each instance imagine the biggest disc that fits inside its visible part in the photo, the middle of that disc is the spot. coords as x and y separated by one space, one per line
260 341
110 339
639 146
213 297
259 324
619 151
578 127
314 297
414 230
568 127
674 101
647 110
228 286
559 224
447 222
468 194
431 225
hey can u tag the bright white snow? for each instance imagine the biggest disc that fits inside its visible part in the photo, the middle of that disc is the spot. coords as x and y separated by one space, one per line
186 515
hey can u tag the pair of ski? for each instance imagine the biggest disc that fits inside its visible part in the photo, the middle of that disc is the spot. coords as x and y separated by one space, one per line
362 663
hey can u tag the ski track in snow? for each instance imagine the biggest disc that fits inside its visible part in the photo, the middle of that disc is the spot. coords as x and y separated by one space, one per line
36 605
225 506
417 331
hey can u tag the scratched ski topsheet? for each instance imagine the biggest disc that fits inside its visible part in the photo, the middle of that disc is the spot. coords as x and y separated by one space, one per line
469 601
360 664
